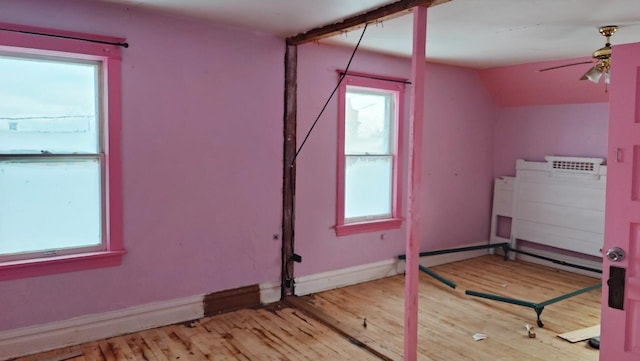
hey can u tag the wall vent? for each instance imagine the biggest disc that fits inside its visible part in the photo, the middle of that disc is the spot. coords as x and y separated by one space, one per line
574 164
579 166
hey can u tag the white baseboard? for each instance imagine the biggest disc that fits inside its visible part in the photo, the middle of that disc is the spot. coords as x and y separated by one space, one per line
269 293
34 339
344 277
568 259
437 260
40 338
368 272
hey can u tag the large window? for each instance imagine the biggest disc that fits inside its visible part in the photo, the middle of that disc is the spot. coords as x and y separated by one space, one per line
368 147
60 207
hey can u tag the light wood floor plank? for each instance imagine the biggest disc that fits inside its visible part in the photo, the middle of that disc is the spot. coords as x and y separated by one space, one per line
199 343
121 349
91 351
274 336
314 349
107 353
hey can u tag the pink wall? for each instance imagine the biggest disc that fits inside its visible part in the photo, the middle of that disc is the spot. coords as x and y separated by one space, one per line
532 132
523 85
546 113
201 149
458 146
457 162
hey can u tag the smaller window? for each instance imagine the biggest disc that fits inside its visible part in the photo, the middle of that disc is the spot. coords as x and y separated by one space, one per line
369 139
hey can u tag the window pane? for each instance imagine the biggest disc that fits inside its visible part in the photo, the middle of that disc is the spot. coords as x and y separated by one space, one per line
368 186
49 204
48 106
368 122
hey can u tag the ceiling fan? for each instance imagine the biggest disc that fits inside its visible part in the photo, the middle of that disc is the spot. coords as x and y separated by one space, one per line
602 56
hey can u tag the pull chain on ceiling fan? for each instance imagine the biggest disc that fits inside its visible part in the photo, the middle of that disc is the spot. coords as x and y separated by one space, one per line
602 56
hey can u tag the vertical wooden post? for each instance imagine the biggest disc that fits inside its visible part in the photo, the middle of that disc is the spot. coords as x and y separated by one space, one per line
289 169
413 190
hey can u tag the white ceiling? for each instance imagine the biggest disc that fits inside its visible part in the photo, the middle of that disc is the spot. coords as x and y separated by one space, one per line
472 33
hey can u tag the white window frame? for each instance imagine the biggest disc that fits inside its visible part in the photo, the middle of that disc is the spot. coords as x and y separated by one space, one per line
375 84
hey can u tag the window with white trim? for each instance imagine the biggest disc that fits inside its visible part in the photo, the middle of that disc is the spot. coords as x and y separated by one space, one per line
59 183
368 150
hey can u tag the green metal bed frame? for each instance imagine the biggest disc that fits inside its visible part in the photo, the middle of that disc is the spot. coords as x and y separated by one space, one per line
538 307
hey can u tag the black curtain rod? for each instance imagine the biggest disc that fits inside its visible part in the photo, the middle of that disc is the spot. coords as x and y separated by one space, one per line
124 45
376 78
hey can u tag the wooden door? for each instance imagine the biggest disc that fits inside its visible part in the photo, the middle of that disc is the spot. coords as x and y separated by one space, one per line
620 333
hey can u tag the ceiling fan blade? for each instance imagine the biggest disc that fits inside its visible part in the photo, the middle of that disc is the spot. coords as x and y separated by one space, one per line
566 65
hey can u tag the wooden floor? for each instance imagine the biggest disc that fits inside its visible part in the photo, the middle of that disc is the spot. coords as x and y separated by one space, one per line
448 319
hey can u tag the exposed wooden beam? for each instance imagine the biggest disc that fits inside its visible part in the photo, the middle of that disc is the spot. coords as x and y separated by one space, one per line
288 171
415 182
382 13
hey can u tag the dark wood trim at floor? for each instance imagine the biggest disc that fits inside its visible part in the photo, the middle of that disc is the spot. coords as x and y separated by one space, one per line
231 300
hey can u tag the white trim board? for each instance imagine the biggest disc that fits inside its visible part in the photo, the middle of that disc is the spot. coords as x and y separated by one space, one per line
432 261
560 257
325 281
40 338
269 293
75 331
329 280
437 260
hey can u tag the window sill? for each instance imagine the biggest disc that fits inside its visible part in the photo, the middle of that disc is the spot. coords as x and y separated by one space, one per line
60 264
369 226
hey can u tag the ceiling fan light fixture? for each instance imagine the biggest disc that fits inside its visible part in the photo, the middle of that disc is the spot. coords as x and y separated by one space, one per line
603 56
594 74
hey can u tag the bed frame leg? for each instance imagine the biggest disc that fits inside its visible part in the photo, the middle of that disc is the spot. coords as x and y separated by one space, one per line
505 249
538 313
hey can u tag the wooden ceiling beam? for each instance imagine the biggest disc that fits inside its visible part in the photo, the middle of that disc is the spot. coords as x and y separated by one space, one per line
382 13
